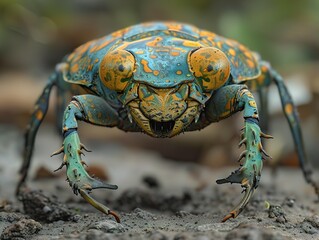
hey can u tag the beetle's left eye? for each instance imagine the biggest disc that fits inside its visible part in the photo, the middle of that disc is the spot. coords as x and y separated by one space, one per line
210 66
116 69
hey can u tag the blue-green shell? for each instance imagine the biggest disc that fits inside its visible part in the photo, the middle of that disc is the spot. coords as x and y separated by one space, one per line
161 52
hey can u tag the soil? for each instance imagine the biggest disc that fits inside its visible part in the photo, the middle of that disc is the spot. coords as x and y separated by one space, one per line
157 198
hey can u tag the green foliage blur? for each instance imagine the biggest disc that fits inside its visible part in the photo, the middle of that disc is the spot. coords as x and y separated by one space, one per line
36 34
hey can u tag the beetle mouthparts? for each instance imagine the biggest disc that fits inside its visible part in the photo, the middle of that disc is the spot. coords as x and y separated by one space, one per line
162 129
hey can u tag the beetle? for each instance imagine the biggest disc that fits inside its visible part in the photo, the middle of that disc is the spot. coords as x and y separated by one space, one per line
162 79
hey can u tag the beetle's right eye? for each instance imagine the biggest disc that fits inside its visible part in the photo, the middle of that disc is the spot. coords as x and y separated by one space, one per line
210 66
116 69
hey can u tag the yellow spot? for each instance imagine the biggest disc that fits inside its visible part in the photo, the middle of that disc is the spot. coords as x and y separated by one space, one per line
99 47
71 56
252 103
83 48
179 72
96 60
155 72
39 115
249 94
207 34
264 69
175 53
75 68
145 66
173 26
289 108
228 105
232 52
250 63
243 48
248 54
153 56
188 43
155 42
139 52
219 45
261 79
230 43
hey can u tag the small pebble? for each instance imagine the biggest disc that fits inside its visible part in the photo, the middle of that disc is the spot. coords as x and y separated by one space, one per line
313 220
281 219
108 226
76 218
308 228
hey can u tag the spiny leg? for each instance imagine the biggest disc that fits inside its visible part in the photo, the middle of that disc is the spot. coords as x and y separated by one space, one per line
37 117
96 111
225 102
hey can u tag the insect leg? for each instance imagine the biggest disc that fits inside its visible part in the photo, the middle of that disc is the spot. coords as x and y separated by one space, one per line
37 117
225 102
292 117
94 110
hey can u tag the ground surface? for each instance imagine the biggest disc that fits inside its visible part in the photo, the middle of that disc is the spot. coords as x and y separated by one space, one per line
157 199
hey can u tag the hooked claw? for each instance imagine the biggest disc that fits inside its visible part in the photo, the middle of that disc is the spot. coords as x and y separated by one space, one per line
248 186
249 190
98 205
85 185
78 178
248 175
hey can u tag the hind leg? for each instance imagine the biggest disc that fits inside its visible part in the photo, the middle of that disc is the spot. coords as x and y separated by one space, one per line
270 75
37 117
292 117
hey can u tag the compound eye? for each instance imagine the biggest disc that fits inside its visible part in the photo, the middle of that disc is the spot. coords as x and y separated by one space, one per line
210 66
116 69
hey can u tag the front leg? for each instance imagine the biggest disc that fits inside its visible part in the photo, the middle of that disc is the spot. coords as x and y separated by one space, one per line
94 110
225 102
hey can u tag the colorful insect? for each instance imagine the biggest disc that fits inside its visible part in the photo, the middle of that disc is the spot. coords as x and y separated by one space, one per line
162 78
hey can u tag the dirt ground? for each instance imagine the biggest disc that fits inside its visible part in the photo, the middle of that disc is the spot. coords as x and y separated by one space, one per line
157 198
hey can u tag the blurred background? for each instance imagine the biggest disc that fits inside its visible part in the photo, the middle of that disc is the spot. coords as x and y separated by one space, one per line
35 35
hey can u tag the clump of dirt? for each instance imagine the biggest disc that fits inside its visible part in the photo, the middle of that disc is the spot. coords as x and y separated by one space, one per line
21 229
277 212
43 208
311 225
